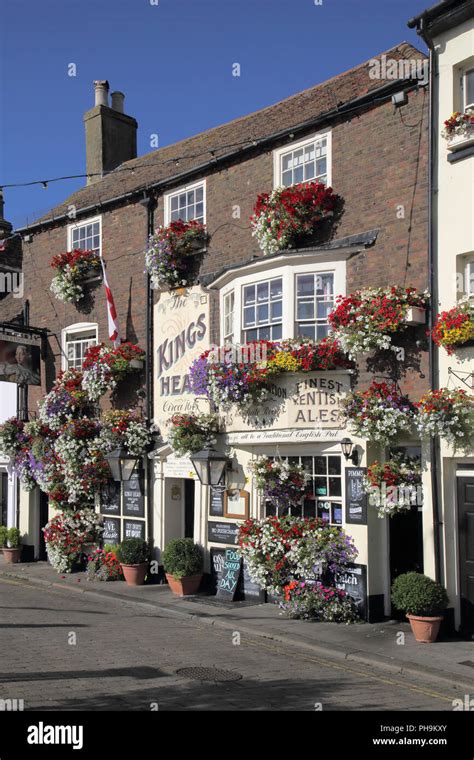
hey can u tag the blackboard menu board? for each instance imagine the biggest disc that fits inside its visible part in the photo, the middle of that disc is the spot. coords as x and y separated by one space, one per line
133 497
111 534
356 497
227 584
134 529
354 583
110 498
248 589
222 532
216 507
217 566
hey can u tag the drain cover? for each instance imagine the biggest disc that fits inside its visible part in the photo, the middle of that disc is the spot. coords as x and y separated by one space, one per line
208 674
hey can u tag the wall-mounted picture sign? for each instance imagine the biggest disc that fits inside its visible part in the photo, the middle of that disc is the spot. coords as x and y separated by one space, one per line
111 534
356 497
110 498
134 529
20 360
133 495
216 502
236 505
222 533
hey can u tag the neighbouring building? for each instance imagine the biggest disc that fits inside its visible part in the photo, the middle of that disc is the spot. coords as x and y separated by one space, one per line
448 30
346 132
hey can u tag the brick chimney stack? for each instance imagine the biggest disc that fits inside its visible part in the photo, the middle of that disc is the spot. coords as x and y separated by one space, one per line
111 135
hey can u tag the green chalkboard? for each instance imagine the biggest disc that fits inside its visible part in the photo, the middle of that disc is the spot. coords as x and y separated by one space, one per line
228 582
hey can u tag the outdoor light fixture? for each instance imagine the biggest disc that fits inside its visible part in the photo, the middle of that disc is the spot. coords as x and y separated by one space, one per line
210 466
122 464
349 451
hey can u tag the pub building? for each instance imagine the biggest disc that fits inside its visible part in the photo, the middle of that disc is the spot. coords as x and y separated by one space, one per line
346 133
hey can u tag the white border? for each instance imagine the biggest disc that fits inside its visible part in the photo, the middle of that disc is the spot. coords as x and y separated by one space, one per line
75 328
184 189
278 152
76 225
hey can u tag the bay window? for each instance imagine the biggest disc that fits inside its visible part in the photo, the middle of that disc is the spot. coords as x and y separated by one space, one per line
314 302
262 310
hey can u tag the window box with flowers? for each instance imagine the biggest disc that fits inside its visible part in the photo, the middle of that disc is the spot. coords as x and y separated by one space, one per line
379 413
174 254
449 414
243 375
459 129
104 367
455 328
394 486
289 217
74 270
368 319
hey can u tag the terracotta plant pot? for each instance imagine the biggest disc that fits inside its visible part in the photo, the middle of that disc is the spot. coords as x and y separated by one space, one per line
12 556
425 629
135 574
184 586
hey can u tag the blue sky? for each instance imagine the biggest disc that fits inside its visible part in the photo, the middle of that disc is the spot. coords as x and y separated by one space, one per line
174 62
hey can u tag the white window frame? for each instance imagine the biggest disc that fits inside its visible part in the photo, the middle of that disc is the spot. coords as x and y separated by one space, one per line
468 70
78 327
279 152
228 336
269 324
315 298
288 273
468 278
77 225
178 191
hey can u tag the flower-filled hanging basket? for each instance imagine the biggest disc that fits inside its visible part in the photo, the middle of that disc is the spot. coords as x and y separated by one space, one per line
394 486
368 319
379 413
289 217
74 270
190 433
455 328
174 254
280 482
104 367
449 414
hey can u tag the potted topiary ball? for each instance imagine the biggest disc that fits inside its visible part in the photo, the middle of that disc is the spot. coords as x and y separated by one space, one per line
183 562
12 551
134 555
422 599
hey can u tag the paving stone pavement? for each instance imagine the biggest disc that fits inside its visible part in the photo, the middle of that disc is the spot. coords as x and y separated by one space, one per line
62 651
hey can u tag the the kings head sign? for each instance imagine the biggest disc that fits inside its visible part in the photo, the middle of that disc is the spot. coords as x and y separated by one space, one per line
181 331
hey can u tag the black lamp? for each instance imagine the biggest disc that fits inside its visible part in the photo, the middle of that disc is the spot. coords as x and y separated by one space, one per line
121 463
349 451
210 466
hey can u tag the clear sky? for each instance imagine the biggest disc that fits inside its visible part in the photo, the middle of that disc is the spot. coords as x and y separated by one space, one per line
173 60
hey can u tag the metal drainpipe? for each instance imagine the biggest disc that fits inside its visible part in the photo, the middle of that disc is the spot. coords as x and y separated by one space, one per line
149 203
435 454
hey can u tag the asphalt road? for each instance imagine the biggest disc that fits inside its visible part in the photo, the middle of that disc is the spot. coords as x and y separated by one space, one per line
62 651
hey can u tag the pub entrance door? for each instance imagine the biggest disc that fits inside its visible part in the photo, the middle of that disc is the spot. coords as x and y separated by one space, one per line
465 492
189 508
4 499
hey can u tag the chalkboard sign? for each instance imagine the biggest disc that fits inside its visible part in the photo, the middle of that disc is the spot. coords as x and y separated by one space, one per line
217 566
111 534
356 497
133 529
227 585
110 498
222 532
216 507
248 589
133 499
354 583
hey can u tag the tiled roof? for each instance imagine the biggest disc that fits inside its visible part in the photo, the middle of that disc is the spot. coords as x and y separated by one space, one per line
161 165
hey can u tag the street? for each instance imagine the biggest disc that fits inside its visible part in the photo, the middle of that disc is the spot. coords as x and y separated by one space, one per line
61 651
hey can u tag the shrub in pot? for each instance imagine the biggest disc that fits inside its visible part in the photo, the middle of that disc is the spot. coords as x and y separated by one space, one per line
183 562
422 599
134 554
3 536
12 550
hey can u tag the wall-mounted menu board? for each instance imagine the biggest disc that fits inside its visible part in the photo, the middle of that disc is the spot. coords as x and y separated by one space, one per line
111 534
216 503
134 529
110 498
133 496
356 496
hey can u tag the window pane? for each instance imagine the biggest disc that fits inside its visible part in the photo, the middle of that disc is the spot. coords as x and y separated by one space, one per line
297 158
324 510
199 193
324 308
286 179
334 465
321 167
276 310
469 88
286 162
262 313
305 284
470 284
249 294
264 333
199 210
276 332
305 310
249 316
251 335
298 174
322 331
262 291
309 170
306 331
275 288
335 486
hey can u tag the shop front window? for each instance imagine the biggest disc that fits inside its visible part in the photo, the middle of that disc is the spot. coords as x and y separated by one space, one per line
323 497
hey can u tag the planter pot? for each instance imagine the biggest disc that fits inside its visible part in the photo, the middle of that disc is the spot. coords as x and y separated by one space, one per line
458 142
184 586
135 574
12 556
137 363
415 316
425 629
193 247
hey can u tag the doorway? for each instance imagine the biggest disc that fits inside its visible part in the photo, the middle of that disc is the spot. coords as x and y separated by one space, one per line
43 519
465 494
4 499
189 508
